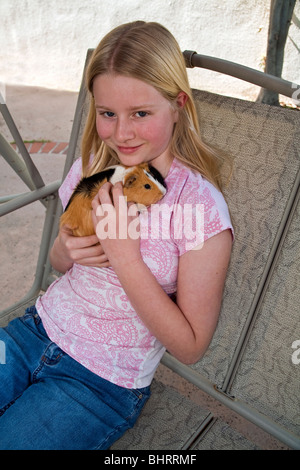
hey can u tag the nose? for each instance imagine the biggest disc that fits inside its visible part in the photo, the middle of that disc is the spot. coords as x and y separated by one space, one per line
124 130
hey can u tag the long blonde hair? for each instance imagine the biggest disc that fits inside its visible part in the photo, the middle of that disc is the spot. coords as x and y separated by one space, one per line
148 52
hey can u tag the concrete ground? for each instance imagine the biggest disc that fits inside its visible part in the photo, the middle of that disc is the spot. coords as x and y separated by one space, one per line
45 115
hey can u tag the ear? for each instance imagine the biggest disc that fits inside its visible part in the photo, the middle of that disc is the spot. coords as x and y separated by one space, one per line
130 180
181 99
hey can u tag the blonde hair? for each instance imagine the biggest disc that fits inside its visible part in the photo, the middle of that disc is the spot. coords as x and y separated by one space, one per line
148 52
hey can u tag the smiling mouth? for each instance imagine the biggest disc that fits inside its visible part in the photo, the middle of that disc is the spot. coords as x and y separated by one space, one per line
128 150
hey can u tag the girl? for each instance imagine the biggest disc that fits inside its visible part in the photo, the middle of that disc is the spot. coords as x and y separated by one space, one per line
80 363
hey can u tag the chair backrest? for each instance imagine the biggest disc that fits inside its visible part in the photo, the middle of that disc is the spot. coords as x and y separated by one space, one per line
263 142
268 376
250 356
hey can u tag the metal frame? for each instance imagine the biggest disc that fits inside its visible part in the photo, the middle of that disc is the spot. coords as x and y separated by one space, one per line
264 80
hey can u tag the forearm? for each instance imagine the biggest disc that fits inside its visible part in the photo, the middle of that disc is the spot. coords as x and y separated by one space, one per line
158 312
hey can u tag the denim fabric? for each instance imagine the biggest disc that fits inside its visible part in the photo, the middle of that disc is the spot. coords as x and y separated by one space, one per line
48 401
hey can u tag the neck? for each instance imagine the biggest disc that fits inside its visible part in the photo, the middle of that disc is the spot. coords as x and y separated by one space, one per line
163 165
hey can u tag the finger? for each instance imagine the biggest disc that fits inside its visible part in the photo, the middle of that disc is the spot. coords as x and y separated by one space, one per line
104 193
95 262
119 186
82 242
97 209
96 206
89 240
119 200
89 255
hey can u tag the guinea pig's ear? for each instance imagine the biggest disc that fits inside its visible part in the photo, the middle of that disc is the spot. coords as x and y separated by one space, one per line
130 180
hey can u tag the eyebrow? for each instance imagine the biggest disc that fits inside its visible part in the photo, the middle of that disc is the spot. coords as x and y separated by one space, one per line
131 108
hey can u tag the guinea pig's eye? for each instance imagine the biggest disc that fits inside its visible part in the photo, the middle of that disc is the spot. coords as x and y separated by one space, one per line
147 186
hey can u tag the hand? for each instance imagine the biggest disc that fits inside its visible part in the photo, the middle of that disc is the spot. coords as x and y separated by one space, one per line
68 250
116 225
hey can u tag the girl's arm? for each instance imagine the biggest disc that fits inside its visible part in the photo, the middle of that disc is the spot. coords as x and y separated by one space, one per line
67 250
184 328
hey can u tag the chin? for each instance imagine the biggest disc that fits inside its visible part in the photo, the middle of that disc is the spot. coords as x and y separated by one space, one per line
131 161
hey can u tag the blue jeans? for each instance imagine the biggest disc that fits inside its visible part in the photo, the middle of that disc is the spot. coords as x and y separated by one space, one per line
48 401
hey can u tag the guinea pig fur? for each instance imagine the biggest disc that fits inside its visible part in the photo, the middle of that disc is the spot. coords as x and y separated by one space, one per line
142 184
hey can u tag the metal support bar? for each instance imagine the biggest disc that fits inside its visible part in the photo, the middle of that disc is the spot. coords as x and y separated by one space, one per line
10 197
206 427
28 198
48 276
33 171
45 241
241 72
199 433
19 167
15 162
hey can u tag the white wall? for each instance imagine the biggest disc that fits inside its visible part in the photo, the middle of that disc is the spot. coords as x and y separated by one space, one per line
43 43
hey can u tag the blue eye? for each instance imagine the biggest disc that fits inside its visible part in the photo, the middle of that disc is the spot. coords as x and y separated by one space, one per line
142 114
109 114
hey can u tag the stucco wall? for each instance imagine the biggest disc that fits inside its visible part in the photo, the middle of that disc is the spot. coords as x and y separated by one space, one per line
44 43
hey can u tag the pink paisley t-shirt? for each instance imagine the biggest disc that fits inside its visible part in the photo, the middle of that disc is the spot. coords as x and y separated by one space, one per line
86 311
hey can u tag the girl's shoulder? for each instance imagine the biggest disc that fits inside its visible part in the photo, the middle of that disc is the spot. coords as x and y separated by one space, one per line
187 184
192 193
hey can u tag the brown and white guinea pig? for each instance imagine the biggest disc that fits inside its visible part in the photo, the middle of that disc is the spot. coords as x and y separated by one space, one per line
142 184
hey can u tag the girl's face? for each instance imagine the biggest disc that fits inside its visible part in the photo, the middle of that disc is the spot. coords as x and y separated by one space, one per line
134 120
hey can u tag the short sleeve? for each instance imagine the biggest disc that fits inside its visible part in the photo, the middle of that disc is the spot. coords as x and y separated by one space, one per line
201 214
70 182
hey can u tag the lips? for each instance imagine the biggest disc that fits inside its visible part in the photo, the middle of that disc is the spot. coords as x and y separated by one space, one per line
128 150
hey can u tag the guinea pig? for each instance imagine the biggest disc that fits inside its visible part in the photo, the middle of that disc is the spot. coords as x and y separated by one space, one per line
142 184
